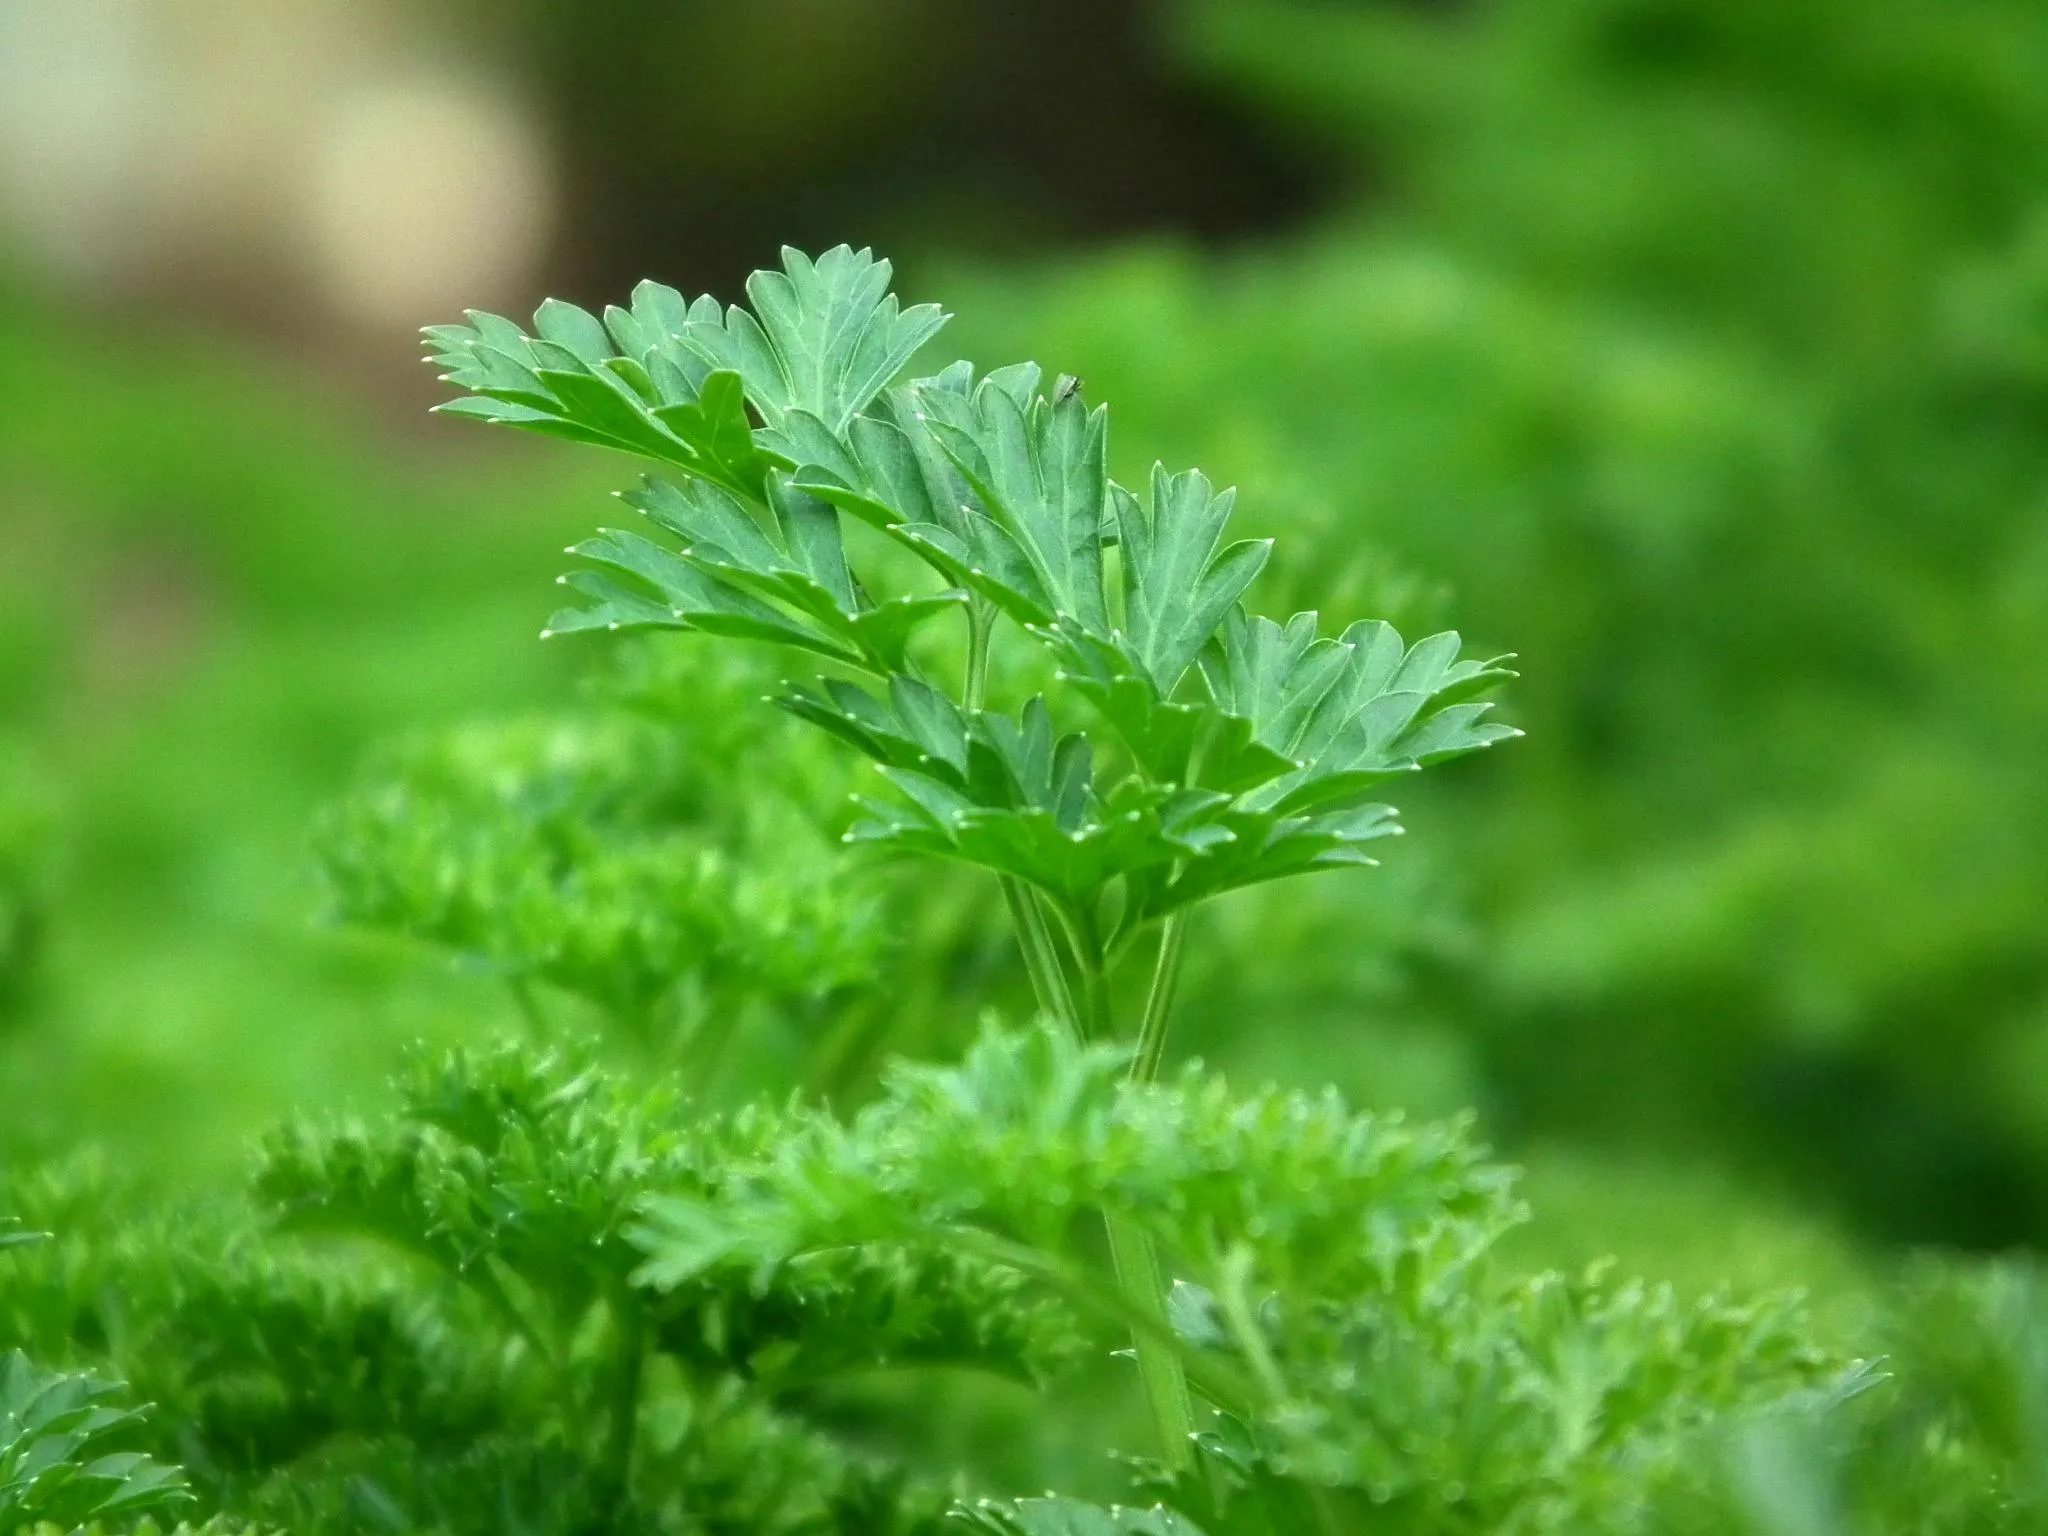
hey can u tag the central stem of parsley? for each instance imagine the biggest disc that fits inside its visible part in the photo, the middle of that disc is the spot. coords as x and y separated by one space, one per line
1132 1252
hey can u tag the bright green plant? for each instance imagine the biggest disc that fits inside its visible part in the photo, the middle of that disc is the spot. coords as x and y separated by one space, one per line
544 1293
1234 750
431 1322
1697 347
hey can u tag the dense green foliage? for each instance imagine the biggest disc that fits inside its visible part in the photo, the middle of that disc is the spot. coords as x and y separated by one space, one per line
558 1295
1693 349
607 855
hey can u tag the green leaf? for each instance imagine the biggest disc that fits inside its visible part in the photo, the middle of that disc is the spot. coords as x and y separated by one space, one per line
896 474
1133 829
568 381
875 474
1037 469
1055 1516
984 560
611 606
825 337
784 580
698 598
883 632
631 383
1004 793
715 425
56 1465
1173 742
1260 846
1275 675
568 326
1352 712
1178 585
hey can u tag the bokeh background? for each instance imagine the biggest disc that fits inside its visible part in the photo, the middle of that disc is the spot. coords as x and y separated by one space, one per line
1695 350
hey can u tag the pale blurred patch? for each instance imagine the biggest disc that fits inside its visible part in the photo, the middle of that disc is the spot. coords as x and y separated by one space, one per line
316 142
75 114
424 193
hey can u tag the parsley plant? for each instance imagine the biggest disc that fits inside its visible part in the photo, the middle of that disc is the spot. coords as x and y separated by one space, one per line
1227 749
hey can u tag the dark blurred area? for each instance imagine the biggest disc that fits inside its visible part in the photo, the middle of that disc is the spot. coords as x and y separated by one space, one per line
902 124
1697 350
358 156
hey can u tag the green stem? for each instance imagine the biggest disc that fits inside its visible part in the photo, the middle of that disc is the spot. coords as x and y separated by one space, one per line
1130 1245
1096 1009
1220 1384
1095 1020
1236 1304
1131 1248
1159 1366
1159 1000
980 618
1041 960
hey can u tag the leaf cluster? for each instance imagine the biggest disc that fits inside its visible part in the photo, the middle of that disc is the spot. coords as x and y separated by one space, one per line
1338 1307
1237 750
598 852
438 1326
540 1296
58 1464
1357 1356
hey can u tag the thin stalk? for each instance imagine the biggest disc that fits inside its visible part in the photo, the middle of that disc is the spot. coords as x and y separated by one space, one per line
1220 1384
1159 1000
1138 1274
1041 960
1236 1304
1131 1249
1095 1020
1130 1245
980 618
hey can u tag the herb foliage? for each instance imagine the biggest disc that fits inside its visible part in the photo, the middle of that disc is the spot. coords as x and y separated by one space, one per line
549 1293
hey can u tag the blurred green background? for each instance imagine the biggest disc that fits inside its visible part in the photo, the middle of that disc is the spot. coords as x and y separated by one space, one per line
1696 350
